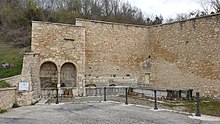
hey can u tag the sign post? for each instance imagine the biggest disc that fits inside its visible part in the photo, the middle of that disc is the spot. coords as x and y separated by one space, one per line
23 86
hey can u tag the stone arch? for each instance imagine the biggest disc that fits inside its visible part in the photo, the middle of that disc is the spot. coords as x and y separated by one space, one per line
68 75
48 75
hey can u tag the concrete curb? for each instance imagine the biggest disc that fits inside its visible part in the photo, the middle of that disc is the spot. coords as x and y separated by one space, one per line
205 117
190 115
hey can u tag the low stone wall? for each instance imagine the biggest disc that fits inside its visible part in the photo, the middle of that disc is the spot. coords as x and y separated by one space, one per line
116 81
7 97
12 80
48 93
164 93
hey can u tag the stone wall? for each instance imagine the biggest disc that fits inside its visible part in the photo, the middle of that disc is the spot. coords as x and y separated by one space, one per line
185 54
12 80
60 44
114 50
7 97
30 73
179 55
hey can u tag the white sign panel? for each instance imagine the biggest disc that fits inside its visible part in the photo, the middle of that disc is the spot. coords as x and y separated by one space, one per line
23 86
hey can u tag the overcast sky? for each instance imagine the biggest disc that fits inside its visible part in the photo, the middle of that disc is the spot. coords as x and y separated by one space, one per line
167 8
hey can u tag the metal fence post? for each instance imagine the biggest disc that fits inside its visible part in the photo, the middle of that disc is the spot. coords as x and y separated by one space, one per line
197 105
104 93
190 92
57 100
155 100
180 92
126 96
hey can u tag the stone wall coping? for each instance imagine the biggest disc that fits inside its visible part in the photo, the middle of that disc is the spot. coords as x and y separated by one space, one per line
31 53
125 24
159 89
8 78
185 20
113 23
100 87
10 88
61 24
144 26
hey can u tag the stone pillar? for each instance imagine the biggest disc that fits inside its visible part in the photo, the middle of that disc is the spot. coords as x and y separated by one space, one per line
30 72
58 82
80 86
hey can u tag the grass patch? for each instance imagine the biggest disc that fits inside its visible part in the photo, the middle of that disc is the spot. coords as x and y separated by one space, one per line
15 105
13 56
170 105
207 107
2 110
4 84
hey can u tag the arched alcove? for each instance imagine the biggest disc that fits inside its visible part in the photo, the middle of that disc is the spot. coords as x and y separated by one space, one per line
68 75
48 75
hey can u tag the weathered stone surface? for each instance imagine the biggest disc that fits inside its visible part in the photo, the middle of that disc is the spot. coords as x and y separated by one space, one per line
114 50
7 98
61 45
179 55
12 80
186 55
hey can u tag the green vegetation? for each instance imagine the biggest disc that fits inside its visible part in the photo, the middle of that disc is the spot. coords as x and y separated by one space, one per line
13 56
170 105
16 15
15 105
2 111
207 106
4 84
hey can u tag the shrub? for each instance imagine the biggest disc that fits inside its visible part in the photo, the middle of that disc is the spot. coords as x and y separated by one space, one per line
15 105
4 84
2 110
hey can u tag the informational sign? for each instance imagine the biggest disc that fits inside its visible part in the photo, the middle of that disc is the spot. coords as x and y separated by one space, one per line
23 86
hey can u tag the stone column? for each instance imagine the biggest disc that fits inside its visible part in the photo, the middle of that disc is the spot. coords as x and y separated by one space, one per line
29 71
58 80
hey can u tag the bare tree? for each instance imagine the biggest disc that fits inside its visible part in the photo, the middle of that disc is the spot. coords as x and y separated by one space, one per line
210 6
216 5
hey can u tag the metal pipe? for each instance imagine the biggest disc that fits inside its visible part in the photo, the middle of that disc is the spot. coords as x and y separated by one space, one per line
155 100
104 93
126 96
197 105
57 100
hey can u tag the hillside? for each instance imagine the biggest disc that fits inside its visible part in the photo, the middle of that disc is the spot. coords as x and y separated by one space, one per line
16 17
10 59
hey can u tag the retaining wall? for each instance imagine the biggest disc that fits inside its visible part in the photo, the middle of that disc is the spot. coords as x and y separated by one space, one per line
7 98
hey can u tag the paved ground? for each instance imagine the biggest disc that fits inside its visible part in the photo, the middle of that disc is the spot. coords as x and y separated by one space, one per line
94 113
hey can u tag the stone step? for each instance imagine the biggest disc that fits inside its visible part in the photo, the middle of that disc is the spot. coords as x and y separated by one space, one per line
42 101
